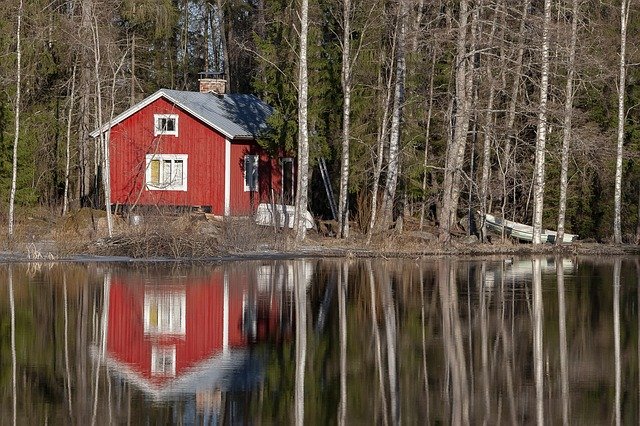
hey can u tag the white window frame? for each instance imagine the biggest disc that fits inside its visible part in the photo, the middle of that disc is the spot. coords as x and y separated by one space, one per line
255 160
171 315
157 130
159 355
166 186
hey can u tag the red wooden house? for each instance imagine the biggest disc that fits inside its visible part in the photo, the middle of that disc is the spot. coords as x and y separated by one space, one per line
196 150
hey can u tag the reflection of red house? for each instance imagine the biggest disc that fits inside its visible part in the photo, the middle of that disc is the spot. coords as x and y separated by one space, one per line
195 149
170 337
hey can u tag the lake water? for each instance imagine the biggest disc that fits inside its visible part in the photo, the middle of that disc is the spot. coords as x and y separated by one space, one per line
500 340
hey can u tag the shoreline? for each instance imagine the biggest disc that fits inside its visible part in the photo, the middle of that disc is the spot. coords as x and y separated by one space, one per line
346 252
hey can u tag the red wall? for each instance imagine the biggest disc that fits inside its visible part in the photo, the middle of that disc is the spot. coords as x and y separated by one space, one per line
133 138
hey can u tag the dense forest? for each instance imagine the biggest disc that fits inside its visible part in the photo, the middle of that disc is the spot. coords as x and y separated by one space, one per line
423 110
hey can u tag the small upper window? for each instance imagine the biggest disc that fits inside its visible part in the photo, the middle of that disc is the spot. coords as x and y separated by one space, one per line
251 173
165 124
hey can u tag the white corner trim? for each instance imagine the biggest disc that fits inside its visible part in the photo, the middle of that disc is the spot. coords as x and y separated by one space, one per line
227 177
225 314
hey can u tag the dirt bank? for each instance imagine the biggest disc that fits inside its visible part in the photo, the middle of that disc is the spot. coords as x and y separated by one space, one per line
83 235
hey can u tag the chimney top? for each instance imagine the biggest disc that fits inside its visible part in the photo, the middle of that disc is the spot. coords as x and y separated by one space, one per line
212 82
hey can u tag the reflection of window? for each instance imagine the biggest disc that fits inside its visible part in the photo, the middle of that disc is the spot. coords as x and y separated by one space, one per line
165 313
163 361
167 172
165 124
250 172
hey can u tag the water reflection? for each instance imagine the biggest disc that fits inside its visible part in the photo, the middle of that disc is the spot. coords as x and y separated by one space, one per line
453 341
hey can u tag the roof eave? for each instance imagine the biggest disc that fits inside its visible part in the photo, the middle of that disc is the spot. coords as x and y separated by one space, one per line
161 93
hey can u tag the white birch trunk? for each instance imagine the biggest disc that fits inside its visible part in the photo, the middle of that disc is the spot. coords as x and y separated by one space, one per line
343 206
104 138
16 137
65 201
303 131
617 221
566 133
616 339
388 197
538 197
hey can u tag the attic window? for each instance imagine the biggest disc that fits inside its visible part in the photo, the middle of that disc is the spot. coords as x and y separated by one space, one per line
165 124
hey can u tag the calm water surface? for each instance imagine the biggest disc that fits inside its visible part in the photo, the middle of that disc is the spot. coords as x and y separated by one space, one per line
361 341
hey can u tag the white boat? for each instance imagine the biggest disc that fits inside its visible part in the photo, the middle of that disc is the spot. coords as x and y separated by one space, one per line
280 215
524 232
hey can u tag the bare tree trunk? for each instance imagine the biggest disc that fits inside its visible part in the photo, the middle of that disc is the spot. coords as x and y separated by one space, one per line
224 44
16 136
617 225
455 156
538 197
343 206
85 175
511 113
392 337
303 131
382 137
566 134
427 135
104 138
65 202
393 166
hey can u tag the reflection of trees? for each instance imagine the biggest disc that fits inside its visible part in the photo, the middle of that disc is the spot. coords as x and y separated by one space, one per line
453 344
405 333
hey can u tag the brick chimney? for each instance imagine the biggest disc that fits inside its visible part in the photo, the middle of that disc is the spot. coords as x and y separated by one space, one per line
211 82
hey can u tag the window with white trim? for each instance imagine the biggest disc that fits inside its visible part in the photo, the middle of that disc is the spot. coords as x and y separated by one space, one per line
165 124
251 173
165 313
167 172
163 361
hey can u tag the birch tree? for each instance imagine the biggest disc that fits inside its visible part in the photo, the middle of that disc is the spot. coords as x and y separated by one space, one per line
617 226
303 132
455 150
343 207
566 133
538 197
16 136
393 165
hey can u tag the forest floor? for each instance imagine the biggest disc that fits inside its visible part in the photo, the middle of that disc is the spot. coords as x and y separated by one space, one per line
82 235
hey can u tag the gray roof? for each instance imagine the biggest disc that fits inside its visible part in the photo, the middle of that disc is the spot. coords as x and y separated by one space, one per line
236 116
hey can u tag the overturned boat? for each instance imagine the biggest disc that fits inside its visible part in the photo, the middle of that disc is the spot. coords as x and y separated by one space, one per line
523 232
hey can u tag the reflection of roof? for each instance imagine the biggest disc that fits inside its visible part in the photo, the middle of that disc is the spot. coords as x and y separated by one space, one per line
236 116
234 369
